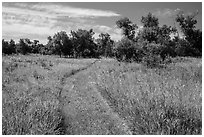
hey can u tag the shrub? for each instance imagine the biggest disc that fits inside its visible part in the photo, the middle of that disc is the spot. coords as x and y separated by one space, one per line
152 60
127 50
152 54
8 47
45 118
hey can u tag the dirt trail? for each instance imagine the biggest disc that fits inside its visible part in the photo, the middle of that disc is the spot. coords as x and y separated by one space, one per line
84 109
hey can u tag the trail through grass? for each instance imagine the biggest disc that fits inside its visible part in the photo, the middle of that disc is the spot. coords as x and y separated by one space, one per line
50 95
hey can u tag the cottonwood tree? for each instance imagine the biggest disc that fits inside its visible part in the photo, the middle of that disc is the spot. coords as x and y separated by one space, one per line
105 45
12 46
125 50
49 47
23 46
62 43
164 34
150 29
5 47
192 35
153 33
83 43
8 47
35 47
129 28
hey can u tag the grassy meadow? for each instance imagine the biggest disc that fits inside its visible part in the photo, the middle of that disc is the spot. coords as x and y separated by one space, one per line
52 95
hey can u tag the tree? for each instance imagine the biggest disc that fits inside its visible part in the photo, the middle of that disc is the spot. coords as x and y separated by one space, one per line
127 50
164 33
83 43
5 47
128 27
150 21
8 47
35 47
105 45
12 46
150 29
23 47
49 47
62 43
59 44
161 36
193 36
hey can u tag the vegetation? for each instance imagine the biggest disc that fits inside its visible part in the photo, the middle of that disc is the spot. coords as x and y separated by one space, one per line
153 44
154 101
51 95
148 82
81 43
105 45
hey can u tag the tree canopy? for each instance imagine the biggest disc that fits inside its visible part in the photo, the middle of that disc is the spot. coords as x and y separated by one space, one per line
150 40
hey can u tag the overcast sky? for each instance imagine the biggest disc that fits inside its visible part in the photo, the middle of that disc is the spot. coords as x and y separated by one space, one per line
40 20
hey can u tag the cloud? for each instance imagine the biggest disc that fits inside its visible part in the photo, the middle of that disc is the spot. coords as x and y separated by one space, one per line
164 13
44 19
116 37
102 28
68 11
114 32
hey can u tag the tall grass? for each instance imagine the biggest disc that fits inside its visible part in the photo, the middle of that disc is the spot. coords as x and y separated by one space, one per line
154 101
28 105
164 100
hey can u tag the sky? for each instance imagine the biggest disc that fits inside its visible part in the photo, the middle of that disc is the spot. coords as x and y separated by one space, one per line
40 20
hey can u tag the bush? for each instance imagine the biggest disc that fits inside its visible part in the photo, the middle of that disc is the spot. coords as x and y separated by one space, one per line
8 47
45 118
127 50
185 48
152 60
152 54
123 49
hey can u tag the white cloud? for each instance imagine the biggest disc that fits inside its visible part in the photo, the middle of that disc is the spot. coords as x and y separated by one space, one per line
26 28
118 31
61 10
44 19
114 32
102 28
79 12
116 37
18 30
166 12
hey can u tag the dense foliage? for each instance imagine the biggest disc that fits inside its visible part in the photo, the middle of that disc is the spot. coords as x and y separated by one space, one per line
151 44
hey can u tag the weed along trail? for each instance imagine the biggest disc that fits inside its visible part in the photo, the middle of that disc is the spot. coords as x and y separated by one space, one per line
84 109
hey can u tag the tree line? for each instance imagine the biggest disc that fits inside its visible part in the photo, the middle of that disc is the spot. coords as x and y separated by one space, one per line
80 43
152 43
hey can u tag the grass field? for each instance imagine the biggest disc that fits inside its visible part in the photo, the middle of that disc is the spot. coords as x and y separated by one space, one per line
52 95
